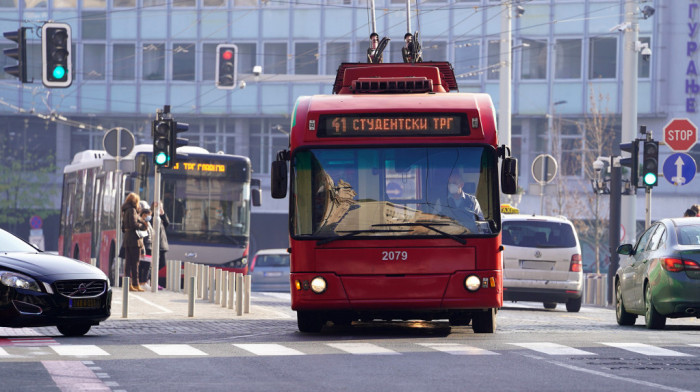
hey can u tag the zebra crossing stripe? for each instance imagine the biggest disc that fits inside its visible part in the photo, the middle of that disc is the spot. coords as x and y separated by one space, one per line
78 350
362 348
457 349
646 349
268 349
552 348
3 353
174 349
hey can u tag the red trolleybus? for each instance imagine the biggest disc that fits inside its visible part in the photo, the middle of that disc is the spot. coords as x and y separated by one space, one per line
374 234
207 198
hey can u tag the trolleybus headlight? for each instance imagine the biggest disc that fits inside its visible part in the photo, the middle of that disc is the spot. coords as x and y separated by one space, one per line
318 285
472 283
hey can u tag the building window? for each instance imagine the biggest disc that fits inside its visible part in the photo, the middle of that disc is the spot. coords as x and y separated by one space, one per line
154 62
494 60
336 54
209 61
94 62
124 3
643 66
466 62
434 50
247 57
65 4
534 59
306 58
394 50
275 59
567 57
185 3
603 58
153 3
266 139
248 3
123 62
214 3
94 25
571 150
183 61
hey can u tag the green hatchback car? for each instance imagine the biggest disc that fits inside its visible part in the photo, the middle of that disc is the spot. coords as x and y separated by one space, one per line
659 276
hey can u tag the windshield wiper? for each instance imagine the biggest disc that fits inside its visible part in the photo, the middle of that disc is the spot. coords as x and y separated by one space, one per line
430 226
356 232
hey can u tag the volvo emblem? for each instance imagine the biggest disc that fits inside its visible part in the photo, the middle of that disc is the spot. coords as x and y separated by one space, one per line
82 288
538 254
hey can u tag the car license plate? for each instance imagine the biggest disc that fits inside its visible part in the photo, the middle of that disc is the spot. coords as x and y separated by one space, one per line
272 273
84 303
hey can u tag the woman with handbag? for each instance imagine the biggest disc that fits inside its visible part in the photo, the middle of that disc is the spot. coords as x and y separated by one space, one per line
132 223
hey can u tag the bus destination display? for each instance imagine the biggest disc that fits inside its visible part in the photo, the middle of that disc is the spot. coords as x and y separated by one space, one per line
393 124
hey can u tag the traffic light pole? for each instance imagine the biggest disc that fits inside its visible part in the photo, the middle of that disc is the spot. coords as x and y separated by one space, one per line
155 246
615 207
647 194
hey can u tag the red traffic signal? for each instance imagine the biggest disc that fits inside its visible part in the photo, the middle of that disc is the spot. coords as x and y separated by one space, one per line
226 66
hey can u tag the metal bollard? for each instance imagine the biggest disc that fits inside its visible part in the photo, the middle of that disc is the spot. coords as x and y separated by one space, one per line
212 274
93 261
217 298
239 294
205 282
224 288
246 295
178 276
200 276
231 288
168 274
125 298
190 297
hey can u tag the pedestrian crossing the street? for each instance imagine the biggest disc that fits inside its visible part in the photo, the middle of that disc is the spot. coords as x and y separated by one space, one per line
353 348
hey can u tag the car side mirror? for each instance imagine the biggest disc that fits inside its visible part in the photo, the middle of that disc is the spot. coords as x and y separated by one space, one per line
625 249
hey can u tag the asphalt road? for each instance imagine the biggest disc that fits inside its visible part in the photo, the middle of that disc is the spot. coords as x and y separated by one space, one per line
533 350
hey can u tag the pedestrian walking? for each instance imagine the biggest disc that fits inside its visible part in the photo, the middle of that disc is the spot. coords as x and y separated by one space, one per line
146 254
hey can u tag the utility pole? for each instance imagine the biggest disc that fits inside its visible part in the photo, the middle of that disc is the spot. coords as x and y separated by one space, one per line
628 207
504 95
615 196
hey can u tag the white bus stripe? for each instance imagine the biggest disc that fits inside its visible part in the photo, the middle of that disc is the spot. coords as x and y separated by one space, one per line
457 349
268 349
646 349
362 349
552 348
78 350
174 349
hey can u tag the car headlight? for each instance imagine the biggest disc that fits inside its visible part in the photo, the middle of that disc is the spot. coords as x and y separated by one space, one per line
318 285
472 283
18 281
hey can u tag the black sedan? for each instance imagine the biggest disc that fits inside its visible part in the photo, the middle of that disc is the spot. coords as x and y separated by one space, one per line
40 289
659 276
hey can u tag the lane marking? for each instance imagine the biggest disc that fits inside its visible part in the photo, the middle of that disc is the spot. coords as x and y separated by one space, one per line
268 349
174 349
363 349
457 349
552 348
74 376
5 331
646 349
78 350
607 375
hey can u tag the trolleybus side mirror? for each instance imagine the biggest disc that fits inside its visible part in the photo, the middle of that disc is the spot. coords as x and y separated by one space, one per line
278 179
509 176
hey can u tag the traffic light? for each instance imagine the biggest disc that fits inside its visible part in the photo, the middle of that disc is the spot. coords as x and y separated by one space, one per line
162 132
19 53
633 161
56 70
226 66
176 142
650 165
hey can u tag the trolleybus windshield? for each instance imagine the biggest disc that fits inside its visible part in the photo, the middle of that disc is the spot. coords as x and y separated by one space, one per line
360 192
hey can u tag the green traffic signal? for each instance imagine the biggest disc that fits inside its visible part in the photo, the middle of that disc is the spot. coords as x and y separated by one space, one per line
161 158
650 179
59 72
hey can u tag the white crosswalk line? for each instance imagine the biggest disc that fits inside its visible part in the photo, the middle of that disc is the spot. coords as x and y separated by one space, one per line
646 349
457 349
362 348
694 344
174 349
3 353
552 348
268 349
79 350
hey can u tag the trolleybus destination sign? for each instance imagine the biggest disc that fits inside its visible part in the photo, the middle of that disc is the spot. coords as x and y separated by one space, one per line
393 124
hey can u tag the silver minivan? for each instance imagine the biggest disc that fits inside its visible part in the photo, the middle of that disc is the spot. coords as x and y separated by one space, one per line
542 261
269 270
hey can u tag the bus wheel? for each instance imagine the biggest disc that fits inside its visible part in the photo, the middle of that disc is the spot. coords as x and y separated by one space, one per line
484 322
310 322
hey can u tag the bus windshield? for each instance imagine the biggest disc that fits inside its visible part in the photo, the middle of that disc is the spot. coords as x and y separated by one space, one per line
395 192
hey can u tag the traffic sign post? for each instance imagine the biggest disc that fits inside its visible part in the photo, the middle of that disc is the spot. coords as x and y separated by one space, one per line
680 134
679 169
544 169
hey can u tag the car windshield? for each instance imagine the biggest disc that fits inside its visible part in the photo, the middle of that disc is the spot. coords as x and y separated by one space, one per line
272 261
10 243
395 192
688 235
538 234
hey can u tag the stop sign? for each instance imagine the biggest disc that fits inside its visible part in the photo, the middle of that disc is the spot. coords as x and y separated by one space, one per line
680 134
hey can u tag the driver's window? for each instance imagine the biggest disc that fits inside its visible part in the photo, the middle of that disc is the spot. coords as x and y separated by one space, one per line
644 240
655 240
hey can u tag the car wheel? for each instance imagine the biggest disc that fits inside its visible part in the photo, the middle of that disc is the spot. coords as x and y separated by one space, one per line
573 304
653 319
73 329
623 317
310 322
549 305
484 322
460 319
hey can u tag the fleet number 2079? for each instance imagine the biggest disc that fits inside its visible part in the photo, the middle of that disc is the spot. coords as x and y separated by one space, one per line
394 255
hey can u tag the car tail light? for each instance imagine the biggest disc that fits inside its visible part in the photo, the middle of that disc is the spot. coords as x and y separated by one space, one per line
575 265
691 265
672 265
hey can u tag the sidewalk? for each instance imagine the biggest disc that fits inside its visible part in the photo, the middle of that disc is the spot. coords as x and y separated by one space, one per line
169 305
